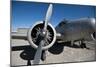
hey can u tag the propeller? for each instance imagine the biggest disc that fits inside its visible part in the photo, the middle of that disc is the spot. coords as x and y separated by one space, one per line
48 16
38 54
42 36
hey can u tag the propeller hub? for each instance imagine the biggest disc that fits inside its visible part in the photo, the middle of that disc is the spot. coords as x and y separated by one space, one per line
44 32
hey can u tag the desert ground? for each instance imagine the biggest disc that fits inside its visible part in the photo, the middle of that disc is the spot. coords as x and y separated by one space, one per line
58 53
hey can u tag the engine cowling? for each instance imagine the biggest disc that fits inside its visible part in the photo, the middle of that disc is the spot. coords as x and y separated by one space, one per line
34 32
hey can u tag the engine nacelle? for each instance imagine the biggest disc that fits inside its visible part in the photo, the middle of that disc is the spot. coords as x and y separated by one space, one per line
34 32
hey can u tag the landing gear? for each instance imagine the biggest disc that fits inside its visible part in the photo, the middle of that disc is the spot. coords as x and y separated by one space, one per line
82 44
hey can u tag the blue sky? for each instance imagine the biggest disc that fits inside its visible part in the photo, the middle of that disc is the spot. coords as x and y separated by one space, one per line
25 14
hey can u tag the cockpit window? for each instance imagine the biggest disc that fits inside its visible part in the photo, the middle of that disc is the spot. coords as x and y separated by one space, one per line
62 23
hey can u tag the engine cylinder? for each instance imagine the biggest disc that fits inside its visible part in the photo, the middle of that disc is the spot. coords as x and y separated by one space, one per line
35 31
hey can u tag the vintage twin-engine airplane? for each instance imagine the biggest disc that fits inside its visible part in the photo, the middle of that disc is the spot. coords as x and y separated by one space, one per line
43 35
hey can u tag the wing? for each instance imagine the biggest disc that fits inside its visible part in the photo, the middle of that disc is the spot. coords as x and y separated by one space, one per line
21 33
19 39
16 35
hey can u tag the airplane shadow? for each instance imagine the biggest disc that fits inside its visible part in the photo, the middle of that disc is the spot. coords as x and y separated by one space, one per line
29 52
58 48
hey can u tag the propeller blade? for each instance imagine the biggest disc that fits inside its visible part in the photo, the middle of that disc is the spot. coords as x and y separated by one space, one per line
38 54
48 15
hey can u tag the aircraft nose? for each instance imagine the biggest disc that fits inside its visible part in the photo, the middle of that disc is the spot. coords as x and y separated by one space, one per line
93 22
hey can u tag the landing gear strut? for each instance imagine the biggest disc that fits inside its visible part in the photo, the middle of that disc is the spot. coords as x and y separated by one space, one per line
82 44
